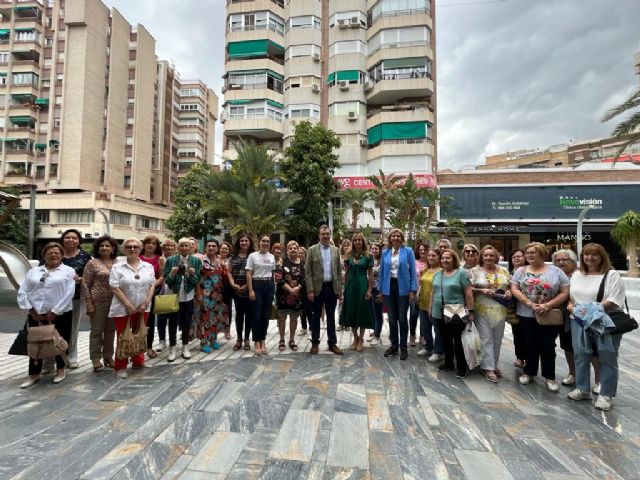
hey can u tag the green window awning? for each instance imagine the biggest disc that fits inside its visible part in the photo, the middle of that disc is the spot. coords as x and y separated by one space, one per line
250 48
24 29
238 102
275 104
331 77
4 31
396 131
25 8
23 97
54 142
22 119
348 75
40 146
42 101
275 75
3 74
405 62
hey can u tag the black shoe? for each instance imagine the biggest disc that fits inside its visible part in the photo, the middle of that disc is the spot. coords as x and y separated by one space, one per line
391 351
404 354
445 368
461 373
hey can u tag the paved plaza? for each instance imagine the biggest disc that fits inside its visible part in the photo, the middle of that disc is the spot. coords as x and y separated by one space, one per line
230 415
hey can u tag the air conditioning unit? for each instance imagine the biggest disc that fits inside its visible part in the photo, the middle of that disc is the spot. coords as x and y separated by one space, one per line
368 86
315 88
223 117
342 23
355 22
364 143
128 163
344 85
353 116
316 57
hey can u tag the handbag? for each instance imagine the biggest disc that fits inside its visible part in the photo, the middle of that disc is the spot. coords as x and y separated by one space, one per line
132 343
622 320
44 341
553 317
166 304
452 313
19 346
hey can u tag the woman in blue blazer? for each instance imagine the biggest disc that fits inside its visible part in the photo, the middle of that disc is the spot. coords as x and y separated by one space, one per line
398 286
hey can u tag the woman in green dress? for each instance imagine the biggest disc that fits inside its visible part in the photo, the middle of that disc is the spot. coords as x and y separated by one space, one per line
356 309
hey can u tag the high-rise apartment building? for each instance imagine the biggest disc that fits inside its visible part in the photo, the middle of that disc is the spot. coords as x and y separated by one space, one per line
92 119
364 68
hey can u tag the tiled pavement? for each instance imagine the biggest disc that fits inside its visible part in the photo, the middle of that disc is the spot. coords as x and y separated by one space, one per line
229 415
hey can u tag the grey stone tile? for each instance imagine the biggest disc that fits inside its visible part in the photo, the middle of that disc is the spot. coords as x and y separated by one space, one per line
257 449
344 473
151 463
220 453
427 410
114 461
227 395
195 475
386 467
457 423
297 436
176 469
351 398
485 391
277 469
420 458
482 465
349 444
522 469
378 413
243 471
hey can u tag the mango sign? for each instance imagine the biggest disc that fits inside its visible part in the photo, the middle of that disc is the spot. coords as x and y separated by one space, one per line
423 180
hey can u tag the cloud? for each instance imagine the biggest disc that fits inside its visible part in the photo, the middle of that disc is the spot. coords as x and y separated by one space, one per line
512 74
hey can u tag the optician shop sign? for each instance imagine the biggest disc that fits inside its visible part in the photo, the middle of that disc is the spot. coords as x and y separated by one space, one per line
363 183
542 202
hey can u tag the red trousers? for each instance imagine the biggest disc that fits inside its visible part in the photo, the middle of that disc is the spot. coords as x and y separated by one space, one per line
121 323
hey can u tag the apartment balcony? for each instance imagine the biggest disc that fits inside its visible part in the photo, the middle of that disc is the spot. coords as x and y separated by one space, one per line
399 19
260 126
254 94
394 148
400 113
25 90
421 50
33 44
241 6
393 88
251 33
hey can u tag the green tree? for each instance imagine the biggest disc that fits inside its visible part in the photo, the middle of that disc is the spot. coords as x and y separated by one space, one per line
626 233
409 208
356 199
307 169
629 129
15 225
190 218
384 186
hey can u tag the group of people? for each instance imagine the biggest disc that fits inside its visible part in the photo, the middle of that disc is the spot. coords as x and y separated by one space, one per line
361 280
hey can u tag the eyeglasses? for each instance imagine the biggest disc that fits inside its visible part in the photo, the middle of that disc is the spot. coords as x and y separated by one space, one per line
562 260
131 247
518 256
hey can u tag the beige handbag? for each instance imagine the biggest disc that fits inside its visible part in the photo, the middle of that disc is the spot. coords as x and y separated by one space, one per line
551 318
132 343
44 341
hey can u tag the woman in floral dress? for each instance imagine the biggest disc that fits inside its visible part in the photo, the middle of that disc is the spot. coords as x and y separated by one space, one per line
214 313
290 282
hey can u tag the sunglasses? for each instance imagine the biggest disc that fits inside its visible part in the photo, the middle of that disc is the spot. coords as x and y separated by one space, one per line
44 277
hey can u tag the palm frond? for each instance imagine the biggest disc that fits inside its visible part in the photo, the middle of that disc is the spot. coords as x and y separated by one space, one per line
630 125
632 102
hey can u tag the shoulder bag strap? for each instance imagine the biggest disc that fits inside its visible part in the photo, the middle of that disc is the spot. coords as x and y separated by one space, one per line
442 290
601 289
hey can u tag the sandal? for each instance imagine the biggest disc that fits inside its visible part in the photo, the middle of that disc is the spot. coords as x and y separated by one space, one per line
227 335
237 346
293 346
247 344
151 353
281 346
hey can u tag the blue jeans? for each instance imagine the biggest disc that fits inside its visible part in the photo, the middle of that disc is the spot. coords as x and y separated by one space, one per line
397 307
425 332
261 306
376 309
608 364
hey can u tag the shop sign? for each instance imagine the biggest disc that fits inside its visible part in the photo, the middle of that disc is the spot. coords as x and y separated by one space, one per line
423 180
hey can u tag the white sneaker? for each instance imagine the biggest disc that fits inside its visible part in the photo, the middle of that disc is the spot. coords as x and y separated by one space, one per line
569 380
121 374
603 403
578 395
172 354
596 389
375 341
524 379
436 357
552 386
161 346
303 332
422 352
186 354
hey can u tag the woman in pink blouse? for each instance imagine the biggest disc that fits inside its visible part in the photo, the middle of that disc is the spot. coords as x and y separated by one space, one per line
97 296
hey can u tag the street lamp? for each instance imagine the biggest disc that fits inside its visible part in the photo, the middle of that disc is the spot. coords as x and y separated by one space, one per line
581 218
105 218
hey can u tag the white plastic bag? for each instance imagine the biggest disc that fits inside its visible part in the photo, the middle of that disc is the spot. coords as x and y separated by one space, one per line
471 345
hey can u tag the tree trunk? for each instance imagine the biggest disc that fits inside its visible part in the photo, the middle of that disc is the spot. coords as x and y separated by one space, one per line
632 259
382 209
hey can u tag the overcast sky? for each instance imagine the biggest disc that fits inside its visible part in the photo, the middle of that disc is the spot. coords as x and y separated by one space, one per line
512 74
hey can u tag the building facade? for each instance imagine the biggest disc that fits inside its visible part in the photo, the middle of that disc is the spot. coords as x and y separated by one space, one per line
363 68
91 119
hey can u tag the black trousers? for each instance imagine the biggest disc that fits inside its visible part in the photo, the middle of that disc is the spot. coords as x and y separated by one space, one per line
328 299
540 341
243 316
452 343
306 313
63 325
183 317
519 344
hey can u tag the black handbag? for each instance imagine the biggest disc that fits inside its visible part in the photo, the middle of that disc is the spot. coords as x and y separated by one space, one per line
19 346
622 320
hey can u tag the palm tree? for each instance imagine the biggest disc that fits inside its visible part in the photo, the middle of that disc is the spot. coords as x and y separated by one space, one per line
384 185
629 129
626 233
356 199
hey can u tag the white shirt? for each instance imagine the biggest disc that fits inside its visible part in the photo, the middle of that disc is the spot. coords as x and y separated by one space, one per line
261 265
135 289
327 274
48 290
395 258
584 288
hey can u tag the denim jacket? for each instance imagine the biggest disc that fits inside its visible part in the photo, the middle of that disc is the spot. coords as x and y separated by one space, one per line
595 323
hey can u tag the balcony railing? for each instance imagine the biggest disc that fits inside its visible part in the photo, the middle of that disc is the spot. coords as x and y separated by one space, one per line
404 141
251 28
400 76
398 13
254 116
19 151
279 61
372 111
252 86
280 3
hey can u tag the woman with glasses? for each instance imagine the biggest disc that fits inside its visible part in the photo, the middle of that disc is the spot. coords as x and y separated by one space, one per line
47 296
539 288
261 287
182 274
132 283
152 254
516 260
97 296
470 257
77 259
